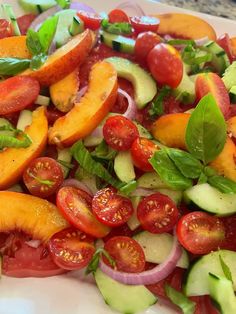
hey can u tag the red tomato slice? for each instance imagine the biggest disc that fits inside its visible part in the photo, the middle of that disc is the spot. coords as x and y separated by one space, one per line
165 64
200 233
5 29
229 242
75 205
224 42
71 249
91 20
17 93
127 254
43 176
119 132
24 22
110 208
157 213
145 23
144 43
123 230
204 305
118 16
142 150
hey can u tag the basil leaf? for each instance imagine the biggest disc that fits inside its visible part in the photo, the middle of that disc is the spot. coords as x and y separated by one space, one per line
209 172
175 42
168 172
225 269
129 187
13 66
116 28
103 151
37 61
83 157
93 265
64 4
178 298
10 141
202 179
188 165
157 106
206 130
33 42
46 33
223 184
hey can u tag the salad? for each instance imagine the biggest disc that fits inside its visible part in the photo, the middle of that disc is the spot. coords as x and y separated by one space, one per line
118 153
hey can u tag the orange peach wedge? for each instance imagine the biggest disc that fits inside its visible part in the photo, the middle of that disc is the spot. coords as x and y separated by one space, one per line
14 47
180 25
64 60
231 127
13 161
35 216
86 115
170 129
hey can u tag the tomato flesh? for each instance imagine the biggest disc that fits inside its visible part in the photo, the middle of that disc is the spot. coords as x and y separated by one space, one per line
145 23
123 230
119 132
17 93
142 150
71 249
144 43
76 207
91 20
118 16
43 176
200 233
110 208
157 213
224 42
165 64
24 22
229 242
5 29
127 254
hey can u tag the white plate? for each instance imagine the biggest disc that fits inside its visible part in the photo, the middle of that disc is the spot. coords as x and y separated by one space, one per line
70 294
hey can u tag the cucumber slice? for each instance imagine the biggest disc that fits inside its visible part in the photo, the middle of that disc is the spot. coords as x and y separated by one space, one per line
151 180
86 178
42 100
157 247
77 26
123 298
211 200
65 20
64 157
12 18
25 119
220 60
123 167
4 122
118 42
133 222
36 6
229 77
197 282
185 92
176 196
144 85
222 292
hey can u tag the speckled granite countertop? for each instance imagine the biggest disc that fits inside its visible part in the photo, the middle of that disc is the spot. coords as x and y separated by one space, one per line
223 8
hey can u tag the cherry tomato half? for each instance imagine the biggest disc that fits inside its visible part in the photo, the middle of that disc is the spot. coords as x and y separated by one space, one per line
110 208
127 254
142 150
200 233
91 20
145 23
43 176
229 242
24 22
17 93
119 132
165 64
118 16
144 43
71 249
5 28
157 213
75 205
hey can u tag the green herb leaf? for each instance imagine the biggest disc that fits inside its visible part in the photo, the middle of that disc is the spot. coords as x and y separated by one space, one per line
222 184
103 151
13 66
116 28
129 187
46 33
83 157
202 179
37 61
188 165
175 42
168 172
206 130
209 172
65 164
225 269
64 4
157 106
178 298
93 265
33 42
10 141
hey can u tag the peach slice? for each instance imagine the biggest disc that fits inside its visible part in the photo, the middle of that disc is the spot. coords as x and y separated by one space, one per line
233 45
180 25
231 127
170 129
64 60
86 115
63 92
13 161
33 215
14 47
225 163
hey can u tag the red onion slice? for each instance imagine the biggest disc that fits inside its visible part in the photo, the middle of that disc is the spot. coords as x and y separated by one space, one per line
78 185
131 110
131 8
43 16
81 93
33 243
148 277
79 6
142 192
